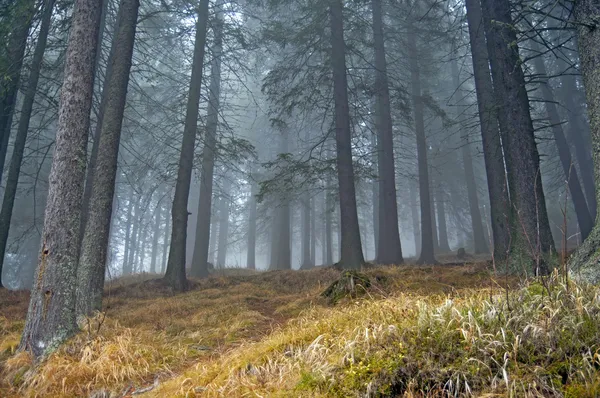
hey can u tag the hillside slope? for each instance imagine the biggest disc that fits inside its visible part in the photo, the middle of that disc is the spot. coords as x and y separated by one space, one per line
416 331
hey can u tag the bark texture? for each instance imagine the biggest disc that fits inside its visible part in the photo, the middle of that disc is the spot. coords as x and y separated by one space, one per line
175 274
351 250
51 316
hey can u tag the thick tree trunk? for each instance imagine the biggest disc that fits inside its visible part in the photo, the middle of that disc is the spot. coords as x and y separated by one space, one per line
51 317
427 248
16 160
389 250
479 243
214 229
584 263
175 275
375 194
351 250
281 252
202 239
415 218
530 227
492 146
223 224
443 244
20 19
252 214
92 261
584 219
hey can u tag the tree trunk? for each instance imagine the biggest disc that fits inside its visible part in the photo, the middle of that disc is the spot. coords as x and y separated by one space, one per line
584 263
127 242
530 227
351 250
443 244
51 317
281 252
155 234
202 239
313 233
92 261
21 19
223 224
492 146
328 230
214 229
166 242
252 213
134 239
479 243
305 241
389 249
415 219
427 248
584 219
375 194
16 160
175 275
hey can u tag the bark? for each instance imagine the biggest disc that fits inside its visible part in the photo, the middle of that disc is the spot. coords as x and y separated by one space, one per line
490 135
51 317
252 214
443 245
415 219
155 235
175 274
134 238
375 193
584 263
202 239
92 261
214 229
479 243
389 249
16 160
89 178
166 242
427 248
351 250
281 251
223 223
530 227
584 219
328 229
313 233
305 241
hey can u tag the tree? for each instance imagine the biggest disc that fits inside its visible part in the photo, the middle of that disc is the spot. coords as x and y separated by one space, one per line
351 250
389 250
22 130
584 262
530 227
92 261
490 134
51 316
175 274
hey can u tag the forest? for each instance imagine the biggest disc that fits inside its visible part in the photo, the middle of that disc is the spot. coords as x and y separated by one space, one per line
299 198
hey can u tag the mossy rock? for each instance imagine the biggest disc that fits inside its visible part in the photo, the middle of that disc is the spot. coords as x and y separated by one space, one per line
350 284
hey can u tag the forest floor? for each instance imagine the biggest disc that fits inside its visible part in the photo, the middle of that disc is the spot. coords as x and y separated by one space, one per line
444 330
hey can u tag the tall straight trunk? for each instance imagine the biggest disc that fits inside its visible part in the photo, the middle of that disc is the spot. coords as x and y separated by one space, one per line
92 261
51 318
375 193
584 263
351 250
252 214
492 146
21 138
175 275
142 242
134 239
584 219
202 239
313 233
577 132
214 229
389 249
427 248
479 243
155 235
281 252
443 244
305 241
166 242
415 218
434 227
223 224
22 13
127 243
89 177
328 230
530 227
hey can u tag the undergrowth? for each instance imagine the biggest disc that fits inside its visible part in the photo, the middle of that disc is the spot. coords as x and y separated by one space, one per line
415 332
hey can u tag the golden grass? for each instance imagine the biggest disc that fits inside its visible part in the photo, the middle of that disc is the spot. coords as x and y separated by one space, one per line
420 331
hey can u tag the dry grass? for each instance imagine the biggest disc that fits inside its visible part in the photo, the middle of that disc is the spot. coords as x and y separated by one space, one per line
419 331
